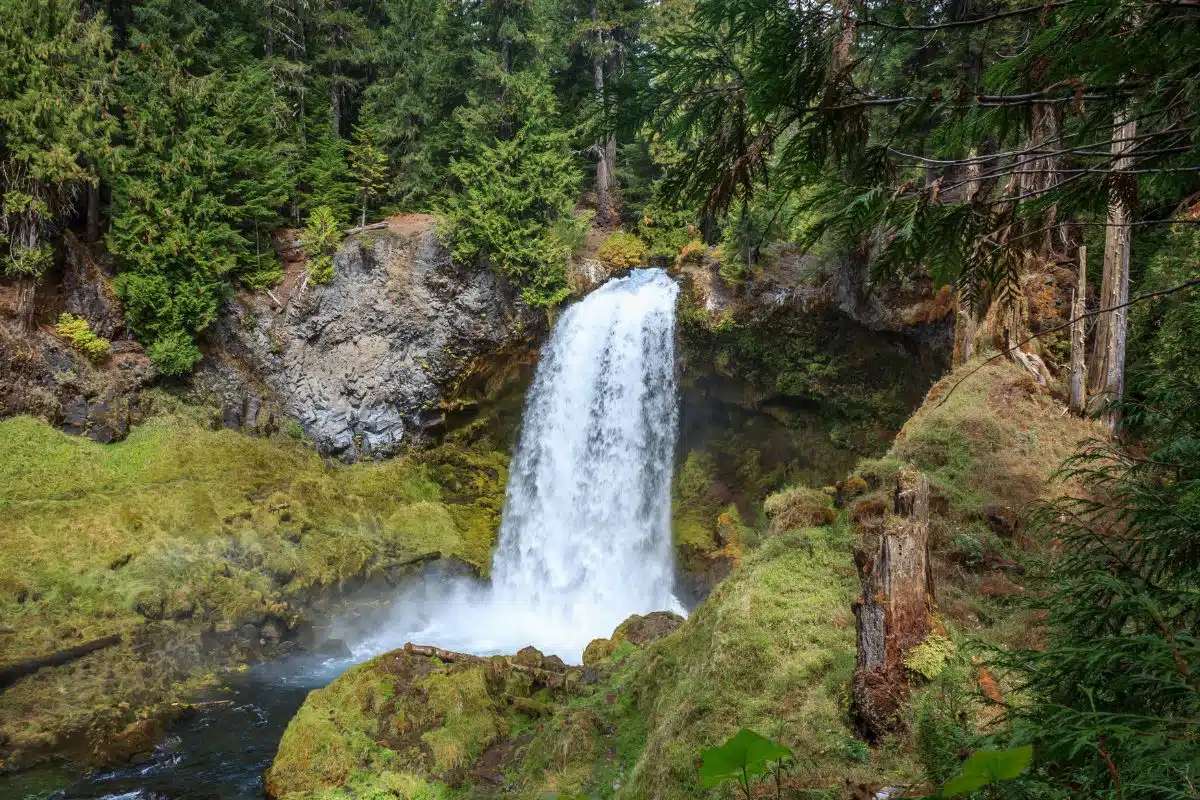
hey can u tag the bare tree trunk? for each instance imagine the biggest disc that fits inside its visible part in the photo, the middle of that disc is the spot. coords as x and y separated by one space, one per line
1078 403
335 106
93 213
891 614
1039 173
966 327
606 148
1106 369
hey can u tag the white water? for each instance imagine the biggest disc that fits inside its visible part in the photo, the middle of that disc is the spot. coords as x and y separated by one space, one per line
585 539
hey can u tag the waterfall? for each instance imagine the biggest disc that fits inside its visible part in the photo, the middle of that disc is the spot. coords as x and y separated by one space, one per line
585 538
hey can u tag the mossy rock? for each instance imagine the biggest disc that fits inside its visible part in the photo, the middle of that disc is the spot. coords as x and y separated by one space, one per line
399 712
598 651
799 507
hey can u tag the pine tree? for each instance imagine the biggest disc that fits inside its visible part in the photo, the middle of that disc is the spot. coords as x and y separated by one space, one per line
370 169
55 126
199 179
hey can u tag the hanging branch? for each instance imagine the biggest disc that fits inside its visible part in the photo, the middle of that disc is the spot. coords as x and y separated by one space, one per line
1146 296
1016 12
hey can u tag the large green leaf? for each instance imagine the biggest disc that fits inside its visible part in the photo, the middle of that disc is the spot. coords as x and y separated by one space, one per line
745 754
985 767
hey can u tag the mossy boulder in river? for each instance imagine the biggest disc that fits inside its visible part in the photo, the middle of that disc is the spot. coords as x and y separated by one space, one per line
418 717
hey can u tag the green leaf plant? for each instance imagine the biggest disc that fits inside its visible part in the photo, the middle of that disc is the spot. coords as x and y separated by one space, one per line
744 756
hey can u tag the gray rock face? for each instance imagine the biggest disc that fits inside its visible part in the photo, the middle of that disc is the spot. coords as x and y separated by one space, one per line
366 361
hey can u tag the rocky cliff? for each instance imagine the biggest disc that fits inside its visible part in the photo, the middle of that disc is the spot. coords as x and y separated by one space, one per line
43 375
371 360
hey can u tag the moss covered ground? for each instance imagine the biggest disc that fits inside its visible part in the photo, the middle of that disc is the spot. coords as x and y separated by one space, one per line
773 647
181 529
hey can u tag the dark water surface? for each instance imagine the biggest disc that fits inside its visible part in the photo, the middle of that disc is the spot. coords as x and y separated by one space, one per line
218 751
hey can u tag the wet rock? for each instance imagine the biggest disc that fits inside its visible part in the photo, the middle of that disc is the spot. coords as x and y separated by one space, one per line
271 632
529 657
334 648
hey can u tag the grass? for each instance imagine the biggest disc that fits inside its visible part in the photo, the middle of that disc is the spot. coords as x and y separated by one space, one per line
772 649
180 528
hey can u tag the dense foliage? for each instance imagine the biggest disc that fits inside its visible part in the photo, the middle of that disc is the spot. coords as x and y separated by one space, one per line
988 141
184 133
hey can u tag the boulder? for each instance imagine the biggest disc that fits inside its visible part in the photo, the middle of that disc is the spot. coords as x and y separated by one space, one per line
642 630
529 657
368 362
597 651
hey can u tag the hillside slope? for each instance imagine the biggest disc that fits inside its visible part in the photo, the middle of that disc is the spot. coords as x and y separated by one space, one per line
772 648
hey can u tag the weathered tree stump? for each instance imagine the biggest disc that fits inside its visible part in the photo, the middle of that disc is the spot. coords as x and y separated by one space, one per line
891 614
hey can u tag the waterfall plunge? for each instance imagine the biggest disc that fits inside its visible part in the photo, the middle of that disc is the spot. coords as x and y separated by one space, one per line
585 539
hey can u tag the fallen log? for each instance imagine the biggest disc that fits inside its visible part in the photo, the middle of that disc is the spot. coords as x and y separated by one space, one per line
374 226
14 672
448 656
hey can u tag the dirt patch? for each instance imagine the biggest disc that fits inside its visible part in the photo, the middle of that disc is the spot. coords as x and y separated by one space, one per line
408 224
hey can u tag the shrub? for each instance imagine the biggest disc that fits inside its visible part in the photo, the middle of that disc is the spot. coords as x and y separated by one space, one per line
320 240
77 331
623 251
174 353
694 252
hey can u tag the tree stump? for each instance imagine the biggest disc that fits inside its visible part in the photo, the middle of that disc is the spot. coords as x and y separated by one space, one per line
891 614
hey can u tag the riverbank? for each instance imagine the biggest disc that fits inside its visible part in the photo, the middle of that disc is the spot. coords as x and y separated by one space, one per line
194 551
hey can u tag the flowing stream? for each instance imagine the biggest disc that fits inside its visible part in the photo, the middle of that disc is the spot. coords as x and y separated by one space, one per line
585 541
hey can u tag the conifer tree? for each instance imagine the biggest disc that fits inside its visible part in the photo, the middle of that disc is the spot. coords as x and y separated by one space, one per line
369 165
55 126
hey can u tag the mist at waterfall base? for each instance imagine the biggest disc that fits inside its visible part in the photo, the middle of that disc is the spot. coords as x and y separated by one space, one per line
585 537
584 542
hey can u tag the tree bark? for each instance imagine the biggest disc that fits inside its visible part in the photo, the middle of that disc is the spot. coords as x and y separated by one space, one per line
335 106
93 213
1106 369
1078 402
606 148
891 614
1039 173
966 327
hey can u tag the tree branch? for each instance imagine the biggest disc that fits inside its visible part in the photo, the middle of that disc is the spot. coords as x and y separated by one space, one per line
965 22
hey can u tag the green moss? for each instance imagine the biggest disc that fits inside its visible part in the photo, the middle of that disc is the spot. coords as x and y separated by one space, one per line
469 719
185 527
772 649
994 439
336 734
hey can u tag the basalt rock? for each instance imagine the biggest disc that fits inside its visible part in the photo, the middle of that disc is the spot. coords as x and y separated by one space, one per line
43 376
370 361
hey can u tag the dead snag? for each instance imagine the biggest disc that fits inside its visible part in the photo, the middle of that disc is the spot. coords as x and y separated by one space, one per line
891 614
